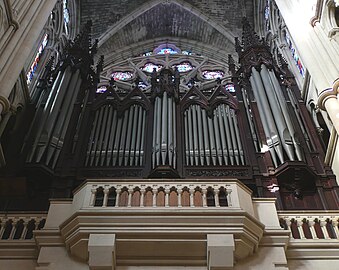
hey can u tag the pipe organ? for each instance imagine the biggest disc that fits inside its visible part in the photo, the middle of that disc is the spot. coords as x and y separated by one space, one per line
212 140
164 145
53 116
117 140
166 127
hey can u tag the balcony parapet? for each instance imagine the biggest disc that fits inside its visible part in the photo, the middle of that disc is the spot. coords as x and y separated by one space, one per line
154 221
311 224
157 194
20 226
17 234
313 234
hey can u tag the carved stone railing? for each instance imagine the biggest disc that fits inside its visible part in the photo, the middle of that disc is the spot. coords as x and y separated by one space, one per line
18 226
159 194
311 225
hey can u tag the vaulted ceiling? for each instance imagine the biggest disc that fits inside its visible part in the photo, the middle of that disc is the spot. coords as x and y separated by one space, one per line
127 28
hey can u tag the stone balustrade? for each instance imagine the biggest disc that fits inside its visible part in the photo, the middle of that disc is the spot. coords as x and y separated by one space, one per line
161 195
157 193
311 225
20 226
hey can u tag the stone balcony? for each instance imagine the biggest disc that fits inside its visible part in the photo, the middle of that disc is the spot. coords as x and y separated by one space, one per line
313 234
158 222
17 234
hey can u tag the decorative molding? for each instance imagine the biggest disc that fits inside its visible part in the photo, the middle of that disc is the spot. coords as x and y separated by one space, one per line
5 104
328 93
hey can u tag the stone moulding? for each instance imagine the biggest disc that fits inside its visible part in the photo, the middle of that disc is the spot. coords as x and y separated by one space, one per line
151 236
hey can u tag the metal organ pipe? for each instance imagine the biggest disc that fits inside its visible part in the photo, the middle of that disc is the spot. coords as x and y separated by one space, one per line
206 141
200 135
142 139
219 134
277 114
117 141
41 137
123 137
249 117
107 136
265 113
283 105
112 135
164 128
65 120
222 133
164 132
269 140
301 123
170 131
228 134
174 134
195 135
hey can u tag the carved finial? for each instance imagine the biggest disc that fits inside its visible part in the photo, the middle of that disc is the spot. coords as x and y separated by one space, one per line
100 64
231 65
249 37
238 47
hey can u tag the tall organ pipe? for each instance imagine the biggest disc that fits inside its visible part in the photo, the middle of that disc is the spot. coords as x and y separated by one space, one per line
284 134
45 114
271 137
113 135
266 112
64 124
195 135
234 140
200 135
164 132
164 127
206 140
249 117
301 123
210 134
283 105
228 134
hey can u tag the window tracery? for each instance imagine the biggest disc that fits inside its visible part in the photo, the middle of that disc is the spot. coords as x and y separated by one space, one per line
122 75
213 74
149 67
295 55
183 66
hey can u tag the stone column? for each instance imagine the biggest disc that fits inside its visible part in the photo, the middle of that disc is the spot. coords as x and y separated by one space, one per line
21 43
328 100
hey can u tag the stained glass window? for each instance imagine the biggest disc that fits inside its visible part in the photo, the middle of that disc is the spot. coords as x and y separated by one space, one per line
295 55
122 75
230 87
183 67
66 15
148 67
267 14
212 74
147 54
37 58
186 52
101 89
142 85
167 51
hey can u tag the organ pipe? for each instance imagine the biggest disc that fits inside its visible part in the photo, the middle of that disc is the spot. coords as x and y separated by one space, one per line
114 140
218 133
164 132
285 136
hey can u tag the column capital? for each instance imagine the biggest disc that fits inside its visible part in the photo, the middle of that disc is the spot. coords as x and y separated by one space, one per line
327 94
5 104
